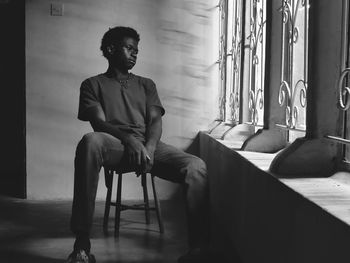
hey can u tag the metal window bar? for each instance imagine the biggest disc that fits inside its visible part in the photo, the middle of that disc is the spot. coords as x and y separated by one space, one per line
222 57
294 56
233 60
257 48
343 89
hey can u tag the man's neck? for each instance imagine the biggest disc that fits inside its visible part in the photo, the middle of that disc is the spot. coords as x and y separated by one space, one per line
118 73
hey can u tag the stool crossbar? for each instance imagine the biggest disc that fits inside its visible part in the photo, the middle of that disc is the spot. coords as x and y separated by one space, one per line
119 207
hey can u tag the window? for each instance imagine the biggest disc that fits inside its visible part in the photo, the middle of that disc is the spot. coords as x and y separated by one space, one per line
242 60
233 61
282 29
294 65
257 47
242 63
343 88
222 58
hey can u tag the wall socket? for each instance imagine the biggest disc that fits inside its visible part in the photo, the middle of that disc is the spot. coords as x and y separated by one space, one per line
57 9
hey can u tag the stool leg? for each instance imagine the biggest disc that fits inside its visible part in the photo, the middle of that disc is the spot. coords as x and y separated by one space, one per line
145 196
157 205
118 205
109 184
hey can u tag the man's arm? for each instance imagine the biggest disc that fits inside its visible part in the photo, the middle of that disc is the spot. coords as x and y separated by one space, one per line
135 150
153 133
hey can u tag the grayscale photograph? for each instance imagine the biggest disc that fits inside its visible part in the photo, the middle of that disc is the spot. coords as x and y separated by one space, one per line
175 131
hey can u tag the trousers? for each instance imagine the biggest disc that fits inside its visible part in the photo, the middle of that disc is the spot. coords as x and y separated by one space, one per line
97 149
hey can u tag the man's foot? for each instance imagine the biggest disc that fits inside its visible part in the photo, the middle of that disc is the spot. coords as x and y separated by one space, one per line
194 256
81 256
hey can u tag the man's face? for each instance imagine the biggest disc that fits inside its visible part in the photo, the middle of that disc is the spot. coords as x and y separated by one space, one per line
125 55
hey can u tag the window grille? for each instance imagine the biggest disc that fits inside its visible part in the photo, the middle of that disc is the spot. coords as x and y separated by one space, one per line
222 58
232 27
294 63
343 89
257 48
233 60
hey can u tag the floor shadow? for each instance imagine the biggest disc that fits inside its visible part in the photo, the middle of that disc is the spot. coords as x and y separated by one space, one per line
38 231
13 256
34 218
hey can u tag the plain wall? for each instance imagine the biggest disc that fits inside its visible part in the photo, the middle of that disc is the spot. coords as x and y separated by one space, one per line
176 51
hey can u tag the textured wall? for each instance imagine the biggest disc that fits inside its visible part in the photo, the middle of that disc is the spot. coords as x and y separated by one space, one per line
176 51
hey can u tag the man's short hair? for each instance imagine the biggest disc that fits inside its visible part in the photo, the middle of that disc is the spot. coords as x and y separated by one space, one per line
116 35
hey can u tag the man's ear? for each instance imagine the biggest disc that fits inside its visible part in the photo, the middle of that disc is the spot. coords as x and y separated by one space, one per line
111 49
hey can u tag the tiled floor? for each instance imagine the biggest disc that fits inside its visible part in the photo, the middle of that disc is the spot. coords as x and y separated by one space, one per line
38 231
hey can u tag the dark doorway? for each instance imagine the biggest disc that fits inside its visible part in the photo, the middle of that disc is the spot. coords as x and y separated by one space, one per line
12 105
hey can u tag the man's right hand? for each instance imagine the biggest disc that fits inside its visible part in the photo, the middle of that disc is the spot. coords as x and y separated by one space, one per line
136 153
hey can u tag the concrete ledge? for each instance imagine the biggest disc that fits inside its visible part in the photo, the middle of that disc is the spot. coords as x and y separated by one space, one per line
257 217
329 194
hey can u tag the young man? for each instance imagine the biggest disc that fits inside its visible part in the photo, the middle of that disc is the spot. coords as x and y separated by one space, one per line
126 114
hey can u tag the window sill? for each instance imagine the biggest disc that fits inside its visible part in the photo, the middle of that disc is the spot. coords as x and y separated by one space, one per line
260 160
270 219
331 193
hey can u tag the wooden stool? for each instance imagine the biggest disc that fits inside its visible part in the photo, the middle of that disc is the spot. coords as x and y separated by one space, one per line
121 207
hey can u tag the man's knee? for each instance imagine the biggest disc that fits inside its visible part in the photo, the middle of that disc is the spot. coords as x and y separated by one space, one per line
196 170
199 165
90 142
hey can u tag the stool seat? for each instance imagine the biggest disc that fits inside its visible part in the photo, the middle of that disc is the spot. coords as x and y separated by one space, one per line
119 207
